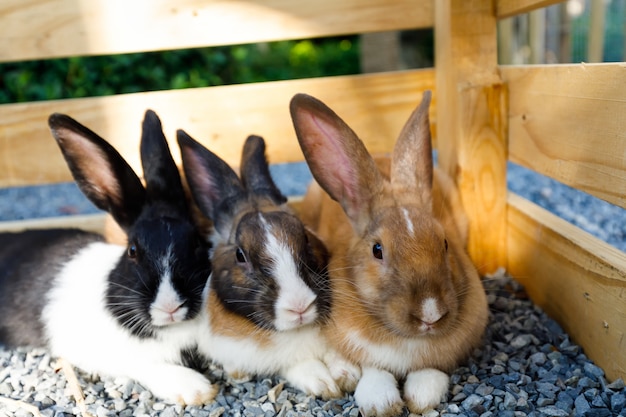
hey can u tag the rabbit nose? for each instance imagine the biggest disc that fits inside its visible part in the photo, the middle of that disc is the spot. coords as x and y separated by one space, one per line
431 312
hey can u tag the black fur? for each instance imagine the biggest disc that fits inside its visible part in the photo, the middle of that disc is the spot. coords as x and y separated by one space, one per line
192 358
29 262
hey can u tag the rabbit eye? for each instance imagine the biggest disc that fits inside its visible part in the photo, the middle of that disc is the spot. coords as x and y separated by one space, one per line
445 242
241 257
132 251
377 251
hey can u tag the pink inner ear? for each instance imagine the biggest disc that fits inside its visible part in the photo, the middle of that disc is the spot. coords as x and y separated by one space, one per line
334 165
93 163
205 184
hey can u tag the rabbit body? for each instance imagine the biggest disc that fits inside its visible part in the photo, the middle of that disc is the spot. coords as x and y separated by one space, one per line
130 310
408 304
268 291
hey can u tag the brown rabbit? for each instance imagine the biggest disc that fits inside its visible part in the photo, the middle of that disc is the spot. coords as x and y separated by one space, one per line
408 304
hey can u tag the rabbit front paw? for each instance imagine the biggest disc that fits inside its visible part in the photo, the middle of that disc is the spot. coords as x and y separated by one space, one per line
377 394
313 377
425 389
344 372
183 386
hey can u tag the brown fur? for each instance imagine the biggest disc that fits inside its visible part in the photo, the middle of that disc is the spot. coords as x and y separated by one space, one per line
229 324
377 299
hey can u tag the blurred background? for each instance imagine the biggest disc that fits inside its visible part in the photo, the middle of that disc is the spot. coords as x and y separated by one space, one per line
571 32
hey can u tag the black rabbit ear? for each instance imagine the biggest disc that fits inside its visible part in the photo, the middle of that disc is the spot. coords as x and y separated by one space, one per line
214 185
161 174
255 172
99 170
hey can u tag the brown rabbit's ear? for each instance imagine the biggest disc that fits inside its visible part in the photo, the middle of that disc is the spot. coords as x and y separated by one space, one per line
336 157
214 185
412 160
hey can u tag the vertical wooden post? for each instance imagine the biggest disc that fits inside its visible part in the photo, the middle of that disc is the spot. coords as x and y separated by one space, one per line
472 121
537 38
595 40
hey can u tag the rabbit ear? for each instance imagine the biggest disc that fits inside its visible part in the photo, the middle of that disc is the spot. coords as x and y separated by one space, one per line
160 172
99 170
337 158
412 159
215 187
255 173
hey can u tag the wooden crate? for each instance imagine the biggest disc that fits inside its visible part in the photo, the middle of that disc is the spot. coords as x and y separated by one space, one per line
564 121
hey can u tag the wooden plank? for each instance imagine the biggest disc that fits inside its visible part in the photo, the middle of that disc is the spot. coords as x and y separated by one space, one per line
376 106
90 222
507 8
472 122
39 29
567 122
577 279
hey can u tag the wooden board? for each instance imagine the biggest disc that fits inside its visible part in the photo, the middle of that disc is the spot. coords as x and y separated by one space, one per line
567 122
39 29
376 106
472 122
577 279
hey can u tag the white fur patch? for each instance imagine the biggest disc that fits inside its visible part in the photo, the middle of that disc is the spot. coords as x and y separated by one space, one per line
167 307
409 222
377 393
295 305
400 356
292 354
425 389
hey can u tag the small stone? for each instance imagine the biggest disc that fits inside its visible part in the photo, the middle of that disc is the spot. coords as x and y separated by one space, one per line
497 369
483 390
521 341
538 358
593 371
552 411
275 391
616 385
618 402
472 401
217 412
581 405
509 401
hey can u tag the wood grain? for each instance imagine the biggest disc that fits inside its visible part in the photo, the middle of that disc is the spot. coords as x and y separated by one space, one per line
567 122
471 129
40 29
376 106
577 279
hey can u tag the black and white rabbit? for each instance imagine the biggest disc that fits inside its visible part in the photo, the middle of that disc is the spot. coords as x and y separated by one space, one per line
115 310
268 293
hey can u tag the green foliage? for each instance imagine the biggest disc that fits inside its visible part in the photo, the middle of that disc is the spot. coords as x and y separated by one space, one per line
107 75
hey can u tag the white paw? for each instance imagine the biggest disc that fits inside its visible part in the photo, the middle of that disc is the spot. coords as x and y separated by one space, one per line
377 394
425 389
313 377
184 386
344 372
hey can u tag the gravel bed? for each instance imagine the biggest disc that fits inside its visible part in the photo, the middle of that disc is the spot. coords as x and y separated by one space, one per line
527 367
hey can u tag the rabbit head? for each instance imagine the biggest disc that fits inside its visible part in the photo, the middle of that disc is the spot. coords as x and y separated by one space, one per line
390 240
267 267
160 278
